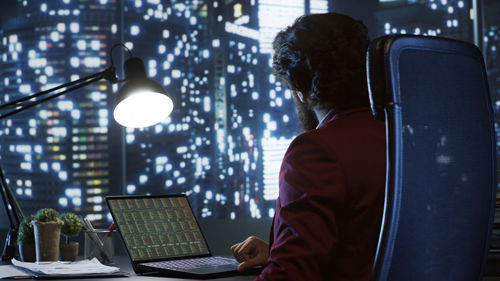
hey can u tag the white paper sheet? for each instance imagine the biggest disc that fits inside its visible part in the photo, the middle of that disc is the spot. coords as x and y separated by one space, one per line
9 271
67 268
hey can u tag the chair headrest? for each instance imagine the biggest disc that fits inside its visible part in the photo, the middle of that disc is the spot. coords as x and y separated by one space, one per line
376 75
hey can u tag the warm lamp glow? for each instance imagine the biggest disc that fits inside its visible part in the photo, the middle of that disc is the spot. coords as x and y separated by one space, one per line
141 102
143 109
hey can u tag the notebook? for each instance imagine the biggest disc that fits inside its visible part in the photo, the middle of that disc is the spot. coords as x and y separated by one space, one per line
162 236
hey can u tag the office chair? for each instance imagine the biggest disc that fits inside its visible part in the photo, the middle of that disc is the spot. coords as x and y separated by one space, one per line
441 159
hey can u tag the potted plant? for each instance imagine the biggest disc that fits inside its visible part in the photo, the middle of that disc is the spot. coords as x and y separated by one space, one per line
47 228
26 240
71 227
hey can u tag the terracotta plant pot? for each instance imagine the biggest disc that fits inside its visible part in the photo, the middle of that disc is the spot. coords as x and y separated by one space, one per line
69 251
27 252
47 236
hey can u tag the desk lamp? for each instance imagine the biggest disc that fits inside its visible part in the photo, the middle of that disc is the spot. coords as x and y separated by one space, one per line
141 102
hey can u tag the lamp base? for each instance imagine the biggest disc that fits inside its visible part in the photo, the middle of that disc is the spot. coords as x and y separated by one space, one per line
9 248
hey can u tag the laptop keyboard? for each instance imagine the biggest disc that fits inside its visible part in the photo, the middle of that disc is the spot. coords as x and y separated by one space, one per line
193 263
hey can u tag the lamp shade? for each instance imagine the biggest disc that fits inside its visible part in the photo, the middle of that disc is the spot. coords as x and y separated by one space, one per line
141 102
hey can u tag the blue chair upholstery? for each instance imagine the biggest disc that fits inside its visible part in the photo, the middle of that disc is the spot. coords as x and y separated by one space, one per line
441 159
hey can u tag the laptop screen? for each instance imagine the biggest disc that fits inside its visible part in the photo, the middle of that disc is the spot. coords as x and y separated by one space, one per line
157 227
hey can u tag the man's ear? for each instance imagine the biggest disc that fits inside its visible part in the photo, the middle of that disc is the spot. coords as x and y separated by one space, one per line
301 97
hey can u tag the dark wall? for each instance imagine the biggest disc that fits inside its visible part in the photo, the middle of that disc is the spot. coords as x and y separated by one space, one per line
7 7
359 9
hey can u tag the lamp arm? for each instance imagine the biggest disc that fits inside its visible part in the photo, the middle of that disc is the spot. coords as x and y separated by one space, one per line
108 74
15 216
15 102
6 203
16 211
34 103
12 208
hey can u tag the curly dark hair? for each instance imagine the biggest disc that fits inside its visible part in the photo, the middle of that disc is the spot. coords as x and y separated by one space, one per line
323 56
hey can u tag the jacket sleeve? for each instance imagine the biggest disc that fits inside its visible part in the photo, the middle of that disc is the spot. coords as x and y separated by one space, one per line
311 196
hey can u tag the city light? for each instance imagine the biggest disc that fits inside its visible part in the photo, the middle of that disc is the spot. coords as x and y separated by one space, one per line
232 120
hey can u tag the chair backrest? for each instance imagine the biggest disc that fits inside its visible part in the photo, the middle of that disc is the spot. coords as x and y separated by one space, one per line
441 172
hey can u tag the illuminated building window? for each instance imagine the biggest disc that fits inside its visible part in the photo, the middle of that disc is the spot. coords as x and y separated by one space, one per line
92 62
55 36
131 188
161 49
134 30
75 62
95 45
166 33
168 183
25 89
129 45
61 27
74 27
63 201
76 201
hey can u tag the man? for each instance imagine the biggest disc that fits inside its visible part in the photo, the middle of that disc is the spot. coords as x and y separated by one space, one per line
332 178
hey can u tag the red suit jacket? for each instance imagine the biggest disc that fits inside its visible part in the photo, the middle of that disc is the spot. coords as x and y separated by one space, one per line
331 197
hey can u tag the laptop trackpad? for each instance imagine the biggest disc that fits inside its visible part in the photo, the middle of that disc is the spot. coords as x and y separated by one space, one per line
211 269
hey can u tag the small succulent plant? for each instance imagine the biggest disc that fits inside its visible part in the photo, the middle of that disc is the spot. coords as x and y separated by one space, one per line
25 234
72 225
46 215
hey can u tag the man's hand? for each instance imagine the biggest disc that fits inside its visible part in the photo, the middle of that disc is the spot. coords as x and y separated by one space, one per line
250 253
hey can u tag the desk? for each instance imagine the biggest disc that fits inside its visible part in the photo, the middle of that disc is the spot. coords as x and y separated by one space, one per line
123 263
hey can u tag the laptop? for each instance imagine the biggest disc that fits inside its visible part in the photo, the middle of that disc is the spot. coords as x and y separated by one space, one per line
162 237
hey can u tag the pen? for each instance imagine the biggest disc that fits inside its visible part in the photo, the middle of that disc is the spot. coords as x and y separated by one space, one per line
111 228
91 228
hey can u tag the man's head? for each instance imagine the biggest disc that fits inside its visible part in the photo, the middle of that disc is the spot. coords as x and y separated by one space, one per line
321 57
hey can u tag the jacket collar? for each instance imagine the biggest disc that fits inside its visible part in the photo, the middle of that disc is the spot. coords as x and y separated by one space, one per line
333 115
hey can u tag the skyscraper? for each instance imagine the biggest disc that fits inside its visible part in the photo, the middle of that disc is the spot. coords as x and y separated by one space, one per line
176 156
491 46
222 145
58 152
448 18
218 146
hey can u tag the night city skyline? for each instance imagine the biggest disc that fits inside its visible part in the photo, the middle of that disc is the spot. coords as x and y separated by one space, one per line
232 120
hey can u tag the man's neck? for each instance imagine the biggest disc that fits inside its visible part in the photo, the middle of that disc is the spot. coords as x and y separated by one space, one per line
321 113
